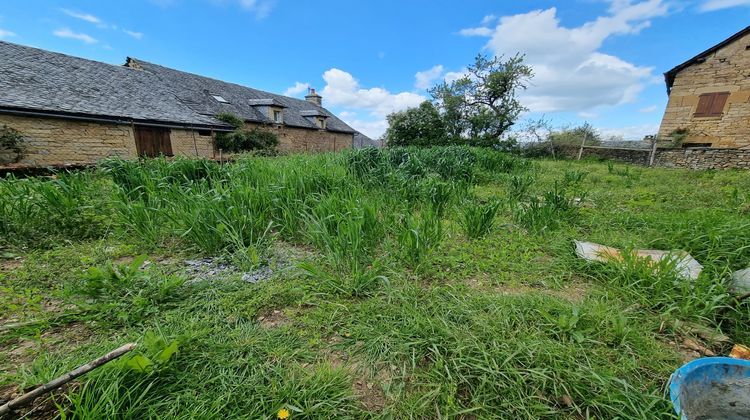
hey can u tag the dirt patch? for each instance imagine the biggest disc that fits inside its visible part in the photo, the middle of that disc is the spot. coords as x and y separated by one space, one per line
124 260
572 292
22 351
274 319
689 349
43 407
368 384
8 265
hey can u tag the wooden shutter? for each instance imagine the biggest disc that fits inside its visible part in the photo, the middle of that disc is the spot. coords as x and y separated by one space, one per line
717 105
705 103
711 104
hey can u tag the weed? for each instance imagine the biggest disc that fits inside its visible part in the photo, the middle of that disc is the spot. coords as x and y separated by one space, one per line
479 218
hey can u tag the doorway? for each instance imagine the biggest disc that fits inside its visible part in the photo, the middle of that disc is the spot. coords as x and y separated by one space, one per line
152 141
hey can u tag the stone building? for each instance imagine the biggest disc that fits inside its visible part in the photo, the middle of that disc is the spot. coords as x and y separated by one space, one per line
70 110
709 97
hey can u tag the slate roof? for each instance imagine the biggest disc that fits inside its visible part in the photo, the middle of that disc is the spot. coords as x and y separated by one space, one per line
32 79
196 92
39 80
361 141
670 76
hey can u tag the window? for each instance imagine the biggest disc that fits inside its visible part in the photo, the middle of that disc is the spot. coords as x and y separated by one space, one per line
220 99
204 133
322 122
694 145
711 104
278 116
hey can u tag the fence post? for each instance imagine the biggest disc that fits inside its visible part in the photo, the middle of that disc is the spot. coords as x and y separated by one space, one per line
583 144
652 156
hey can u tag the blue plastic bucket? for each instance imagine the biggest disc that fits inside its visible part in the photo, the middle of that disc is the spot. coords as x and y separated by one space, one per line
712 388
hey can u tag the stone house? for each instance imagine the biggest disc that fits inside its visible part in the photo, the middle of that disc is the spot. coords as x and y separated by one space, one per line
709 97
70 110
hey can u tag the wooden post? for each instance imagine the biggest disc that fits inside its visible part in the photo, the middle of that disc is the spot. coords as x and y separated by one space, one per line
62 380
583 144
221 158
195 143
652 157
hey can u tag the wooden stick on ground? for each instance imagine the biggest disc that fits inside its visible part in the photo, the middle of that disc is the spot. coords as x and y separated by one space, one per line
62 380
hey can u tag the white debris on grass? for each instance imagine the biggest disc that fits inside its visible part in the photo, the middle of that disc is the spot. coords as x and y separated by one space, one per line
740 281
687 266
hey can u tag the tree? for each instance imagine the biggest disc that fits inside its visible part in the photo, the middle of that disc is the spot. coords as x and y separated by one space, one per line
483 105
575 135
421 126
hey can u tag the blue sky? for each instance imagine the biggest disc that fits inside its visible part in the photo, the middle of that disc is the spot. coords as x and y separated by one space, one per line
599 61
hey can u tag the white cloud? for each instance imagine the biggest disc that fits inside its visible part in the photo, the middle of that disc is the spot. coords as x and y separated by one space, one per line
635 132
364 109
134 34
6 33
712 5
488 19
83 16
649 109
372 129
571 74
67 33
426 79
298 88
260 8
480 31
343 90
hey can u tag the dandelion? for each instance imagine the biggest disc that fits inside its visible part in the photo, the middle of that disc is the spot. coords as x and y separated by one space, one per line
283 414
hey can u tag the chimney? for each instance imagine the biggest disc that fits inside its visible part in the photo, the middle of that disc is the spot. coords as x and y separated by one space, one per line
314 97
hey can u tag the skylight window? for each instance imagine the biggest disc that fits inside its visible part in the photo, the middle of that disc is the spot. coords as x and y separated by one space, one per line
220 99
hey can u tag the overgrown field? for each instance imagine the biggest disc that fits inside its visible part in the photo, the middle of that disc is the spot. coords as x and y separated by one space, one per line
397 283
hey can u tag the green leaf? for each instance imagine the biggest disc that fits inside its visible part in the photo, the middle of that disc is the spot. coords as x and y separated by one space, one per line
166 354
140 363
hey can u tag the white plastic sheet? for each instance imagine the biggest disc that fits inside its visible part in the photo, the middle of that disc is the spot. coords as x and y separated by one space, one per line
687 266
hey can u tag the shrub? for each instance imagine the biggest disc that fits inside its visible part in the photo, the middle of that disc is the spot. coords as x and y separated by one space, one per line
241 140
11 144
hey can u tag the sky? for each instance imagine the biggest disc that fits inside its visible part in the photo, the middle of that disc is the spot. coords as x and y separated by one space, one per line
596 61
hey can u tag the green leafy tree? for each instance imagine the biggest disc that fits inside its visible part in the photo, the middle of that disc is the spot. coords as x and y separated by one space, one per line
575 135
421 126
483 105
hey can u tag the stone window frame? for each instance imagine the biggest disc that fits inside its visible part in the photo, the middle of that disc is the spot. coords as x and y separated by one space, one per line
321 123
275 111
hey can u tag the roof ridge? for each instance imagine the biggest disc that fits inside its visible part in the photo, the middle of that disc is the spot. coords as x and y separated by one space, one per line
225 81
669 76
69 56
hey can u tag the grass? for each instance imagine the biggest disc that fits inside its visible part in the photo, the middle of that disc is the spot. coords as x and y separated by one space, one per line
406 283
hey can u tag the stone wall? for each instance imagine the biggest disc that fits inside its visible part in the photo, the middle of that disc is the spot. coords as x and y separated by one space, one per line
303 140
638 157
724 71
693 158
54 141
700 158
191 144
